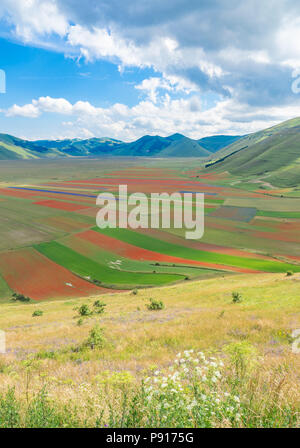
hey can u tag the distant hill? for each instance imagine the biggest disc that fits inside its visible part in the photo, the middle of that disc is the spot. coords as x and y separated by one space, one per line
13 148
78 147
273 153
146 146
185 147
217 142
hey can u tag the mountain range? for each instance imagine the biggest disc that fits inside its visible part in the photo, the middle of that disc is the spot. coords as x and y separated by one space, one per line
176 145
272 154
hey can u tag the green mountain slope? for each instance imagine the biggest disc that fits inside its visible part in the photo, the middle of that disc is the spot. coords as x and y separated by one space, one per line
273 154
77 147
144 147
12 148
217 142
252 139
184 147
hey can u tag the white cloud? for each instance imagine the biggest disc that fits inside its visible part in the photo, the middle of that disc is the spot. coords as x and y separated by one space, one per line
243 52
28 110
165 117
35 17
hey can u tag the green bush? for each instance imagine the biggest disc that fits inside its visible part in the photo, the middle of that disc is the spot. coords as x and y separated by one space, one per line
37 313
289 273
236 297
155 305
99 307
96 338
9 410
20 298
84 310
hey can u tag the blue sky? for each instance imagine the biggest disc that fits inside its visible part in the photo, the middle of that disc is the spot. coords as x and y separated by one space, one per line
125 69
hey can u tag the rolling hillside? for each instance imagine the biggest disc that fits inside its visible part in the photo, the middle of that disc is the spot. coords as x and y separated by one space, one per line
12 148
273 154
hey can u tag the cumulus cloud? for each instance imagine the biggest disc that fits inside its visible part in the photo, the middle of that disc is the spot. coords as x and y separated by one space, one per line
207 43
242 52
33 18
167 116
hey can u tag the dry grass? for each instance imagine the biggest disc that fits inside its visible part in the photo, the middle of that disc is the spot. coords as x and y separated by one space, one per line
199 315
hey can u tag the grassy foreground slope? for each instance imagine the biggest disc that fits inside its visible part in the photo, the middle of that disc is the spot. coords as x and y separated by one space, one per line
252 338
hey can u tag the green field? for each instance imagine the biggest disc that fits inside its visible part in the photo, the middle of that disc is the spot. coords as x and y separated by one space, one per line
101 256
5 291
87 268
271 214
147 242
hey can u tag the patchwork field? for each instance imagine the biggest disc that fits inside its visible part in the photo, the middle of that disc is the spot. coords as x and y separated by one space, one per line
50 247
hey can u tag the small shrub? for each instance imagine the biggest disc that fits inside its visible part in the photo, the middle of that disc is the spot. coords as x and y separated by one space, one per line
84 310
20 298
134 292
289 273
42 413
155 305
97 282
37 313
9 410
243 356
99 307
96 338
236 297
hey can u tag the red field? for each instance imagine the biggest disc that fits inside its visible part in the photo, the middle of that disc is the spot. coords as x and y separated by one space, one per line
60 205
30 273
